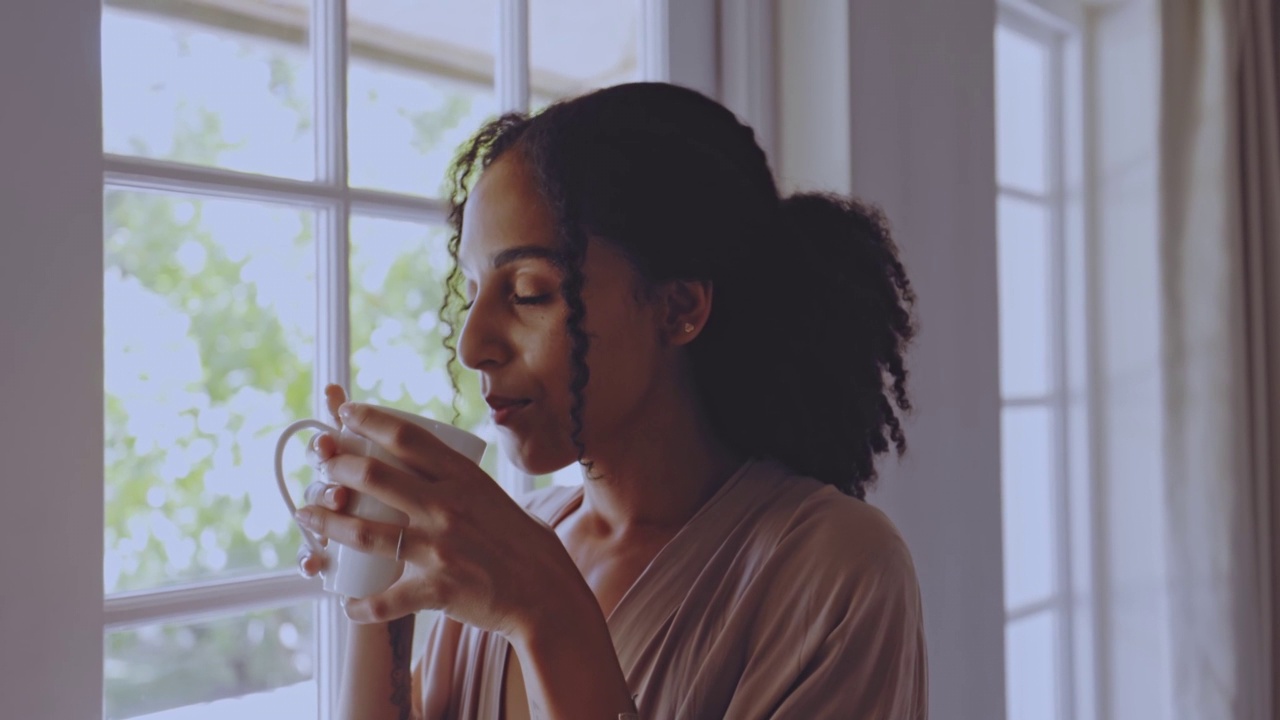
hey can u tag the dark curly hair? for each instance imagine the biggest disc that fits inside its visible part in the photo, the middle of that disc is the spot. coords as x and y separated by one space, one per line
801 359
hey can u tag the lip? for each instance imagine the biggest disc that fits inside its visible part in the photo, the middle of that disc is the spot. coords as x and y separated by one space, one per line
503 408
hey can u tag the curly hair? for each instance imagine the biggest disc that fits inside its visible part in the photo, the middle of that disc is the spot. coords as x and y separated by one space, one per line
802 357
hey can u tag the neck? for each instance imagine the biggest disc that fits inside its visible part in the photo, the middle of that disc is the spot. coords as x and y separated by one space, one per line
667 466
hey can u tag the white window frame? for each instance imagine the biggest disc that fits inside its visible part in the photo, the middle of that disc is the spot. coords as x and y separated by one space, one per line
673 47
1058 27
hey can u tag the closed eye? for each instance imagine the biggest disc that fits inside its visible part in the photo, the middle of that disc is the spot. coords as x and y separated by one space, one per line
530 299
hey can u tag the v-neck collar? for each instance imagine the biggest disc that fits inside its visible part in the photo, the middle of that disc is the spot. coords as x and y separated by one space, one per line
657 591
574 501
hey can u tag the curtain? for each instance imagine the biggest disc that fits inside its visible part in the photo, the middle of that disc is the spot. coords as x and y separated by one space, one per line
1257 83
1220 273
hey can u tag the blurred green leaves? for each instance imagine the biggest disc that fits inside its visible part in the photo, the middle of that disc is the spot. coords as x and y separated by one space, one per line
210 315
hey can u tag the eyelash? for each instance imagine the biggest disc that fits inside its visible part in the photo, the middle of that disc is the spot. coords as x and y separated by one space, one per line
516 299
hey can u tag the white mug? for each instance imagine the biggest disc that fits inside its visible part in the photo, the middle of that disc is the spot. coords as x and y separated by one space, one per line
350 572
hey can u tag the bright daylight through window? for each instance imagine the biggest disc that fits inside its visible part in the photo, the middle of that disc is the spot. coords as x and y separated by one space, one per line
274 222
1030 93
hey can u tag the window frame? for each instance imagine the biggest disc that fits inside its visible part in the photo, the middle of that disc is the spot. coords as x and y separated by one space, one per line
671 47
1057 27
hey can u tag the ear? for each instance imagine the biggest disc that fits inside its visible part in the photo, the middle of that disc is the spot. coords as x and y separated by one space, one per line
685 307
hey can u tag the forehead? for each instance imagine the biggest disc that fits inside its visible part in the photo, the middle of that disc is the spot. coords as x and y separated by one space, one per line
504 210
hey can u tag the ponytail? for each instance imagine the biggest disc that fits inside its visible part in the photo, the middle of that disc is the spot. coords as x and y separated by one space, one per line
806 361
859 324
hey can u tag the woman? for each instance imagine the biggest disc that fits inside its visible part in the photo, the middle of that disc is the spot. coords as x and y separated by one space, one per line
725 364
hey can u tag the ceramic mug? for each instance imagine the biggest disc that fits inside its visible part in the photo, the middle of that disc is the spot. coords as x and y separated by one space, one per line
348 571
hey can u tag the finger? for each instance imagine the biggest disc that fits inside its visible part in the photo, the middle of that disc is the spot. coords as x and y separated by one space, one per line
394 603
334 396
321 447
329 495
412 445
391 485
314 491
310 564
366 536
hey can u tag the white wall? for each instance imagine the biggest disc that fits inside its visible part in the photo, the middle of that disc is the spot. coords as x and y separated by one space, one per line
50 389
895 101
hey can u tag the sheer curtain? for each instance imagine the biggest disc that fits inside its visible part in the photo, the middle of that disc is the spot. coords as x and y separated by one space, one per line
1219 178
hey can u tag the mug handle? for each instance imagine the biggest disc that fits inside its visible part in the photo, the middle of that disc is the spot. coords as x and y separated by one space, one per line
313 542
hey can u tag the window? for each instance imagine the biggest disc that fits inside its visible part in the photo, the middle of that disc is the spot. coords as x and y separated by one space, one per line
1035 287
273 223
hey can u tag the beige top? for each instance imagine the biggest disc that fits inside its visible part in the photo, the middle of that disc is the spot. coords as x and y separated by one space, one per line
781 598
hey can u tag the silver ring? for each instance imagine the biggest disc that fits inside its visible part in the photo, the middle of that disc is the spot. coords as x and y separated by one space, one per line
399 544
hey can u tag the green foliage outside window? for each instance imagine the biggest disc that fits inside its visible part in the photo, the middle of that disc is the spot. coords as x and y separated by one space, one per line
206 363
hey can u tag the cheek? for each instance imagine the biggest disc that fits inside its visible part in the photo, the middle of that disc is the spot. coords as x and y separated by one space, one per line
623 359
546 354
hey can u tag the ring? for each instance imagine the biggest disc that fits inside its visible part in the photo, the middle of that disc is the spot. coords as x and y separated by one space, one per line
399 544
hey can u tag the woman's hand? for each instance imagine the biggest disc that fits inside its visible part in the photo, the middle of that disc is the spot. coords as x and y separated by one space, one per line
469 549
329 495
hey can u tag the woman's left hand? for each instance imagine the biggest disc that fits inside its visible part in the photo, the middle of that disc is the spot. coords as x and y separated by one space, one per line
469 549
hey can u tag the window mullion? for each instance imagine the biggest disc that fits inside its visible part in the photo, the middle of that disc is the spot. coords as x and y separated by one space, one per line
1055 115
655 47
333 335
511 63
511 83
126 610
1054 604
146 174
167 176
329 55
1027 195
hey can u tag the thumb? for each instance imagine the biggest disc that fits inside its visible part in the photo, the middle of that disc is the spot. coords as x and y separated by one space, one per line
334 397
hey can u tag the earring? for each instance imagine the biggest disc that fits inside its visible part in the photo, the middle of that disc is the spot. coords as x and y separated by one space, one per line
688 327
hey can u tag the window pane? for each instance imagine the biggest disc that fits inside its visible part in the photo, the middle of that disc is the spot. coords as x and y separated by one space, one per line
568 476
1031 667
398 272
1027 481
420 83
1022 104
230 87
203 670
580 45
1025 287
209 341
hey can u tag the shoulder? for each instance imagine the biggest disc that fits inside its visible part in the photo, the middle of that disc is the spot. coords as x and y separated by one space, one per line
859 531
834 577
837 542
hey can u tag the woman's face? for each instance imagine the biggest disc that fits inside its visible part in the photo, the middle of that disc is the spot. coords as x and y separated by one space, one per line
515 335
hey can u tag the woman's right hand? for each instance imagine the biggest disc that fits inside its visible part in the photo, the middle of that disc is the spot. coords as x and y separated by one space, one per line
327 495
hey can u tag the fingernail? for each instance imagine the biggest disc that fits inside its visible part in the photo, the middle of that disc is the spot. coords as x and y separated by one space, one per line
347 411
306 517
331 496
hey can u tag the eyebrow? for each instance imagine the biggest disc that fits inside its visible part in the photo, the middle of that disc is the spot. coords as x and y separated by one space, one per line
527 252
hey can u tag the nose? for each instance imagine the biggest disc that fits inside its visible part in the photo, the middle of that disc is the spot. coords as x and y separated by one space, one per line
482 345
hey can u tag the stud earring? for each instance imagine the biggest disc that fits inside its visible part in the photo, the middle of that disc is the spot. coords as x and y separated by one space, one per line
688 327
